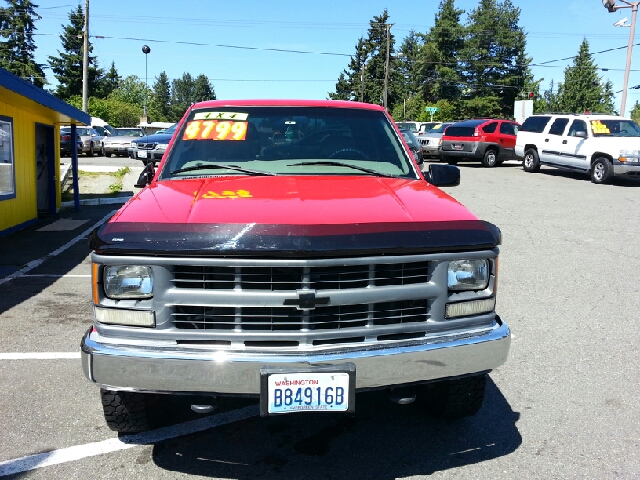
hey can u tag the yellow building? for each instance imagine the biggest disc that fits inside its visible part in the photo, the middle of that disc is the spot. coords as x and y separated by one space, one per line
30 120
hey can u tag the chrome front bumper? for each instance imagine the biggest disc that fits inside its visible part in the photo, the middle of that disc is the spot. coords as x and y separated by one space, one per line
179 370
626 169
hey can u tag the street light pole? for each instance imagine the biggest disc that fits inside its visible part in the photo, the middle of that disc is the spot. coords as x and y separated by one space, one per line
611 6
145 50
85 60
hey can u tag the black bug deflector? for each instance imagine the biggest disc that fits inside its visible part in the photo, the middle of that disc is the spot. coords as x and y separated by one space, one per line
293 240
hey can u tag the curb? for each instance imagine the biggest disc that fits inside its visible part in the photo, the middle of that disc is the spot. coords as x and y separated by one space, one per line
98 201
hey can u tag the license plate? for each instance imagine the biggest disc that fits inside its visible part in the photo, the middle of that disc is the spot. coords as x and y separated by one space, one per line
142 154
457 146
320 389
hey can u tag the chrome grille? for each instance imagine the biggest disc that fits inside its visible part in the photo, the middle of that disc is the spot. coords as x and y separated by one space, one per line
294 278
146 146
252 319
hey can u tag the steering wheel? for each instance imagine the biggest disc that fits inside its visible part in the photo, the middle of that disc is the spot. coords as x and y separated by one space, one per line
349 154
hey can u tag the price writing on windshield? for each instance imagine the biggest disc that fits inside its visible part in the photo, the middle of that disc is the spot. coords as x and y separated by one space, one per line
599 127
215 130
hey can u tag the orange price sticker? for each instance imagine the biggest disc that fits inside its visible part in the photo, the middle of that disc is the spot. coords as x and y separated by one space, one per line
215 130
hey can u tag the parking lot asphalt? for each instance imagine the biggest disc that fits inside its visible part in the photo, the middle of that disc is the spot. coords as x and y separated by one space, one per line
564 406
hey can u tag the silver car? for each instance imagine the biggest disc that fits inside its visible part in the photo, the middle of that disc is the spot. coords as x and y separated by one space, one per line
119 142
431 141
91 141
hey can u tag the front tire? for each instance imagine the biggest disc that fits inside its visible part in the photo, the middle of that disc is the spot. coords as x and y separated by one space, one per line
490 158
531 161
90 152
125 412
455 399
601 171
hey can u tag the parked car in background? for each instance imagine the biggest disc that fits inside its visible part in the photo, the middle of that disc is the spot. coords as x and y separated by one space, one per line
66 143
119 142
151 147
490 141
91 141
431 141
603 146
413 126
414 145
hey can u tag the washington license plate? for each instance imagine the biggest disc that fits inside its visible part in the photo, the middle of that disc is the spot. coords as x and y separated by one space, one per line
142 154
457 146
321 390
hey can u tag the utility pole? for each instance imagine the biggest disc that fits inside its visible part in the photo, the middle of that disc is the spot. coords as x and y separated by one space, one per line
85 60
611 6
386 70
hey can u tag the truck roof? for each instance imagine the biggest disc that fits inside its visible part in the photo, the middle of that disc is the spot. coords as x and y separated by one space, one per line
287 103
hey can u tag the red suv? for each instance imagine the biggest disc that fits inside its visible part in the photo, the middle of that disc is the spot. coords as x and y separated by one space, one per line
487 140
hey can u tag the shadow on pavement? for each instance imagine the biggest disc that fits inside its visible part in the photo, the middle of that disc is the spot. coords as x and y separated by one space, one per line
382 441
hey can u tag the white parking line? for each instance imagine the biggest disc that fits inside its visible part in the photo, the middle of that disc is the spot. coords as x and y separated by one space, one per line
39 356
79 452
35 263
51 275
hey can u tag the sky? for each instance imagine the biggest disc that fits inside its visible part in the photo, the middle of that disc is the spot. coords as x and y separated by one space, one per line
204 36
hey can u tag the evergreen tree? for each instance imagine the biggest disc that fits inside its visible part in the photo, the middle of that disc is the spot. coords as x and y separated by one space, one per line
635 113
495 66
408 68
160 103
67 66
350 84
376 45
109 83
582 88
439 69
17 48
364 76
182 96
202 89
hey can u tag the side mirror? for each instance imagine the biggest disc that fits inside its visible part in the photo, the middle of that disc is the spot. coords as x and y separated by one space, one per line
581 134
443 175
146 176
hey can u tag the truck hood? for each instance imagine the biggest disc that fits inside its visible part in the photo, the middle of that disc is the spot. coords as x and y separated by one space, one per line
292 215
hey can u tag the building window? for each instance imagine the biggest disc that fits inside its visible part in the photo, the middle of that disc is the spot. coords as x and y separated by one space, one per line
7 174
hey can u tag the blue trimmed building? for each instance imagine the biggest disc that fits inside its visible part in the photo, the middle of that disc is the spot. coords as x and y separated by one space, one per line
30 120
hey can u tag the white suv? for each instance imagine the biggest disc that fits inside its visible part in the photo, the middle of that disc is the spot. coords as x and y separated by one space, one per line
602 145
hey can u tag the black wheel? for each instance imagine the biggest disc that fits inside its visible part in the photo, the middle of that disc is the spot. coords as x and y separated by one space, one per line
125 412
107 154
490 158
453 399
451 161
601 170
102 152
531 161
90 152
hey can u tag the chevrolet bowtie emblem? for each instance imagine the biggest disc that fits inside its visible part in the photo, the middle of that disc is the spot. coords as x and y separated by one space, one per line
307 300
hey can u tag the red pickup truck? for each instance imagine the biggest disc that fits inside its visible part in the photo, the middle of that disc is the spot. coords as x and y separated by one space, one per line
292 251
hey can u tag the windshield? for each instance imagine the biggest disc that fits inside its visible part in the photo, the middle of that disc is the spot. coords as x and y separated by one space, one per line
83 131
127 132
439 128
408 126
614 128
287 141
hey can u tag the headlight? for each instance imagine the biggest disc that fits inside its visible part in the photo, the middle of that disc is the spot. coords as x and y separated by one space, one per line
128 282
468 274
162 146
134 144
630 156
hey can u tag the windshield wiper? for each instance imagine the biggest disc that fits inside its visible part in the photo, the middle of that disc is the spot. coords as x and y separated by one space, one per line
340 164
224 167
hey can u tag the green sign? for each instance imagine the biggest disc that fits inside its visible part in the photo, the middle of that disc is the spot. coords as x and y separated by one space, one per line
431 109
